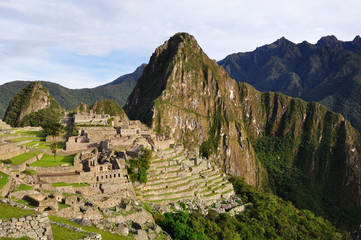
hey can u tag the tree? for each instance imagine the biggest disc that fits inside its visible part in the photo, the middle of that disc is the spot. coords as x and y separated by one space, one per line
53 128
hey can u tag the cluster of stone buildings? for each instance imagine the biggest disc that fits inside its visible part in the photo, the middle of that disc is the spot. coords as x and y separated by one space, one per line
91 118
123 135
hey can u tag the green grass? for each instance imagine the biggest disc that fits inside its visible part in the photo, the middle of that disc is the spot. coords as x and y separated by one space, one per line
47 145
48 161
16 140
29 172
23 202
23 187
62 205
63 184
7 212
105 234
35 133
23 157
43 144
4 179
63 233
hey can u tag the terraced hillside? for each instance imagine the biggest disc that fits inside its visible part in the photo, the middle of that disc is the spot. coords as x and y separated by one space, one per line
172 176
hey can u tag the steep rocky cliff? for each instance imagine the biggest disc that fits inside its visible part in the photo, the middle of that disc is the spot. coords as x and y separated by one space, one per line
296 149
30 99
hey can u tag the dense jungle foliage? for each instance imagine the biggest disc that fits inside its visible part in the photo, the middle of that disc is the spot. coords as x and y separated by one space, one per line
266 217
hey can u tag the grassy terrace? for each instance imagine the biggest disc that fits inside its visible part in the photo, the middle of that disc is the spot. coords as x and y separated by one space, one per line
20 139
172 180
4 179
105 234
168 193
34 133
7 212
23 187
64 184
43 144
23 157
63 233
174 187
48 161
29 172
170 199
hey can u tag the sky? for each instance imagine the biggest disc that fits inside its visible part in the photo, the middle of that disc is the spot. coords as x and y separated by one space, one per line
87 43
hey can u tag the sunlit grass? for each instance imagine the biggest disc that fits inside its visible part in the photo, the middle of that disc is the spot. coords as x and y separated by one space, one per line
7 212
23 187
23 157
4 179
48 161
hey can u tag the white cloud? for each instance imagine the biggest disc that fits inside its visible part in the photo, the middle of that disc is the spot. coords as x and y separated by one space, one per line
34 32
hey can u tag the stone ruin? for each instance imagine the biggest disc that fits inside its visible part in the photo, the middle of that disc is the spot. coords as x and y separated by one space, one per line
125 134
92 118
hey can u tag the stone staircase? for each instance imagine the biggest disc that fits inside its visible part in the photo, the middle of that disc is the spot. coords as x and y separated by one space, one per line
172 177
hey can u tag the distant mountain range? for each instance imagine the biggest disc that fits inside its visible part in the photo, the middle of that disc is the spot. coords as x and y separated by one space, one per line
117 90
328 72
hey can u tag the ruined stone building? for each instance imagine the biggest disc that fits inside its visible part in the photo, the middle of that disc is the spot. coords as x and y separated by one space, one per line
91 118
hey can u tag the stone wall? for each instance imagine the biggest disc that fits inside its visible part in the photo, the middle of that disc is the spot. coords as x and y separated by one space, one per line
9 150
50 138
62 178
35 227
47 170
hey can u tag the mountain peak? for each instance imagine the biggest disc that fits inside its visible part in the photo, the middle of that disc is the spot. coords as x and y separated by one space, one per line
329 41
357 39
30 99
176 43
281 42
174 54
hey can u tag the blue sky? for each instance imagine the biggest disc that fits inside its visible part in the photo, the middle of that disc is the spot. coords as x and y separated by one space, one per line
86 43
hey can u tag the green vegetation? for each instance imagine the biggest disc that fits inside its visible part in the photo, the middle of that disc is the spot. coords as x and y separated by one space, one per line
53 128
63 184
266 217
23 187
20 139
35 133
29 172
4 179
210 146
325 73
117 90
23 157
48 161
32 95
105 234
64 233
7 212
62 205
107 106
143 163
